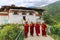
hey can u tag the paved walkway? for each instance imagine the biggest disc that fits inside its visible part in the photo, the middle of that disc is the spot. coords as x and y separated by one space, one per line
38 38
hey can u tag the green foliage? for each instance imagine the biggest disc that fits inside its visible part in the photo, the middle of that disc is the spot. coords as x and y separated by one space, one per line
53 10
9 31
52 17
48 19
54 31
56 37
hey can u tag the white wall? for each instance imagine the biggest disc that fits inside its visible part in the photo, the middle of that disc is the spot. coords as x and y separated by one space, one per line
31 18
15 18
19 18
3 19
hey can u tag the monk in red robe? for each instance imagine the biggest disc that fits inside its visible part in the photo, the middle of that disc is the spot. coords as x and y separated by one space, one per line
37 28
43 29
26 27
31 28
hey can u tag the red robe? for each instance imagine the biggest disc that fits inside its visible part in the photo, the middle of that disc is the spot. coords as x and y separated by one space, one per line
31 29
37 28
43 29
26 27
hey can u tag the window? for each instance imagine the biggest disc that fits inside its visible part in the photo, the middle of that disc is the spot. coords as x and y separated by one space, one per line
24 18
30 13
15 13
23 13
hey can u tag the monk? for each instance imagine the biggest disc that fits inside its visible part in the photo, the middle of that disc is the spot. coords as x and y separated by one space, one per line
26 27
43 29
31 28
37 28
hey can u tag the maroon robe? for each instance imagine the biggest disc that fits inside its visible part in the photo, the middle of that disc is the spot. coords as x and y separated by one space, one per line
37 28
26 27
44 29
31 29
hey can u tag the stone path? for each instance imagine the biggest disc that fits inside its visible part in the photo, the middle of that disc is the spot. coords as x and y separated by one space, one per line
38 38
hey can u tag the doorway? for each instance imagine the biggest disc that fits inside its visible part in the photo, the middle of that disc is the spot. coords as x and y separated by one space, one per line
24 18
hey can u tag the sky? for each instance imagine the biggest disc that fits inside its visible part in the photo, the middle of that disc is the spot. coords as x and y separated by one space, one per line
27 3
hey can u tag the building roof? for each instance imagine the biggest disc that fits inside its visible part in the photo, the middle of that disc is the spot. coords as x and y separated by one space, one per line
15 7
3 13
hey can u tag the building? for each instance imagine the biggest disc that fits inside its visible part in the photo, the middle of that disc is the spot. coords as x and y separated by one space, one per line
13 14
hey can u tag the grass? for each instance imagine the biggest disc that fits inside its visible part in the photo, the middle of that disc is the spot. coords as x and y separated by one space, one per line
54 31
56 37
10 31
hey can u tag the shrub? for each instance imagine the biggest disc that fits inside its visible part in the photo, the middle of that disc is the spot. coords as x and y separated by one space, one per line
9 31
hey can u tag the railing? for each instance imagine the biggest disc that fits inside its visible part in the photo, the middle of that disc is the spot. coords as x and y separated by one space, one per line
20 36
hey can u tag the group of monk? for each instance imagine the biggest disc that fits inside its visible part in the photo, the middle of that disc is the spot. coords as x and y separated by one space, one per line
37 28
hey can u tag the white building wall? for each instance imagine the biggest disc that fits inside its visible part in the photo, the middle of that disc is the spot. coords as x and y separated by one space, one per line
31 18
11 18
15 18
19 18
3 19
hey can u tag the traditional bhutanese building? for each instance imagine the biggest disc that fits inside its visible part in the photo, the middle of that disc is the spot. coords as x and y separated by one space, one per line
13 14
